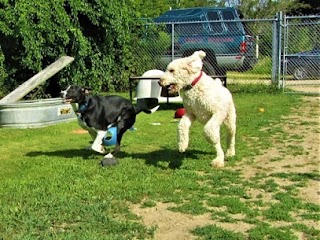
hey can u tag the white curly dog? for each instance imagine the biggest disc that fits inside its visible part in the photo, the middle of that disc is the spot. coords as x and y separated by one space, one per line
204 99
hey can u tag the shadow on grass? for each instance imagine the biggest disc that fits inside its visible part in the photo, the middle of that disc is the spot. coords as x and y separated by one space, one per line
69 153
164 156
170 106
170 157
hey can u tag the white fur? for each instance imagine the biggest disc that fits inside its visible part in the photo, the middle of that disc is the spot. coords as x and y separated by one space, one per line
97 143
208 101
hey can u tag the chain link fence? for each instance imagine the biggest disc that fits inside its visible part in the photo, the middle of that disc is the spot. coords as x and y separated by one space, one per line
282 50
301 54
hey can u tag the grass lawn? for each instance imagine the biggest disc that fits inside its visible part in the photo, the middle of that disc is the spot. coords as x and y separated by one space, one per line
248 76
51 188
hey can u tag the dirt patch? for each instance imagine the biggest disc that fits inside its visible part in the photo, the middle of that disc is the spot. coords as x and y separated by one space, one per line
79 131
169 224
177 226
303 127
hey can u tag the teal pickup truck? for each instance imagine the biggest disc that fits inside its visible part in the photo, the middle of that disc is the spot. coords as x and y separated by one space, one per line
216 30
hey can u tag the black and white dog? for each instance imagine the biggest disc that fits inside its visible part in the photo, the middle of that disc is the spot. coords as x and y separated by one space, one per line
97 114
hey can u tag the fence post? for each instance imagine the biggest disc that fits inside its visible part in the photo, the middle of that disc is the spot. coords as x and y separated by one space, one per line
280 23
276 48
284 54
172 42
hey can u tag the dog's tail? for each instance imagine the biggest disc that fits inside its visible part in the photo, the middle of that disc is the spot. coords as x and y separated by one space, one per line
147 105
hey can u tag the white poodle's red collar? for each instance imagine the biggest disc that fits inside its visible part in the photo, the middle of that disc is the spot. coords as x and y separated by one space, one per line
194 82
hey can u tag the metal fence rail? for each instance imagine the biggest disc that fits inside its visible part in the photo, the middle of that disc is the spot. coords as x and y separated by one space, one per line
247 50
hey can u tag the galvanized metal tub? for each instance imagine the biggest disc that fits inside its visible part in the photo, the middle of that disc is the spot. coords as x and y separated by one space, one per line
35 113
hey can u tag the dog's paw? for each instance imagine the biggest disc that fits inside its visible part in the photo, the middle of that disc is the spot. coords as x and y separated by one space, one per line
230 153
109 155
217 163
107 162
182 148
99 149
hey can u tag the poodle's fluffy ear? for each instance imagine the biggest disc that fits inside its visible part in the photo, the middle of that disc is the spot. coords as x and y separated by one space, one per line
195 61
200 54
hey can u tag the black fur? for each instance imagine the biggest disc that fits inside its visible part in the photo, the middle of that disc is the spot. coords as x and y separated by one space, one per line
103 112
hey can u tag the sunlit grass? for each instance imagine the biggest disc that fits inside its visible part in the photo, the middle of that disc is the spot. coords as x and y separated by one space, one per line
52 188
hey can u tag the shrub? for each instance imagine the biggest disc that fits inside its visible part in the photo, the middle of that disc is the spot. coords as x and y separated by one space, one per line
100 35
263 66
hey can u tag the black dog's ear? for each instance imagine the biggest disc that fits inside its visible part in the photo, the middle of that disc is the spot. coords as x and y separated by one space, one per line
87 90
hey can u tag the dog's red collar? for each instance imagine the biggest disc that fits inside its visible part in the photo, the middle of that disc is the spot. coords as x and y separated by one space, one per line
194 82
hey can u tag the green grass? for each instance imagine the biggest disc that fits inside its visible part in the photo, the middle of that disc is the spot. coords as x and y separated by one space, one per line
248 76
51 188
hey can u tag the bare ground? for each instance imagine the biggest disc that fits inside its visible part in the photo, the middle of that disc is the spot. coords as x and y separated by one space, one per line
304 128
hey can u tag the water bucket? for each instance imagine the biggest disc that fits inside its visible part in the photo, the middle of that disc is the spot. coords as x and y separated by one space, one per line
35 113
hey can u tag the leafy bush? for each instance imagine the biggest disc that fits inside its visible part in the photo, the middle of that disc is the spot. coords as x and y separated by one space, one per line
3 73
99 35
150 47
263 66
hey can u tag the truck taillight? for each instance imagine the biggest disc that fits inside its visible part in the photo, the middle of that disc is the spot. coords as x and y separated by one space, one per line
243 47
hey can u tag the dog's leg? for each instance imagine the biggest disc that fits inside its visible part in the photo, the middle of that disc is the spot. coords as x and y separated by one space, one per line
212 134
183 132
115 150
93 134
126 122
230 122
97 144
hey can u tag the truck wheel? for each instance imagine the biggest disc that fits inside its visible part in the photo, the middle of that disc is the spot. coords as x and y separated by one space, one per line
300 73
208 68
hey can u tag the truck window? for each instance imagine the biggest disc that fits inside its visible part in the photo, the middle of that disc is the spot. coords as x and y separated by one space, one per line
188 28
231 26
215 26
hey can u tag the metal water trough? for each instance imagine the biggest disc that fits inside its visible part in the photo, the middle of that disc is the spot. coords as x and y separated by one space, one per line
35 113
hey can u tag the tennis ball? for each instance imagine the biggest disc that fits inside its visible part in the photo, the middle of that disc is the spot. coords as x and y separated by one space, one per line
261 109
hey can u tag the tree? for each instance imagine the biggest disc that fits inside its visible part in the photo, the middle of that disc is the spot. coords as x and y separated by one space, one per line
309 7
154 8
99 34
3 73
249 8
267 8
